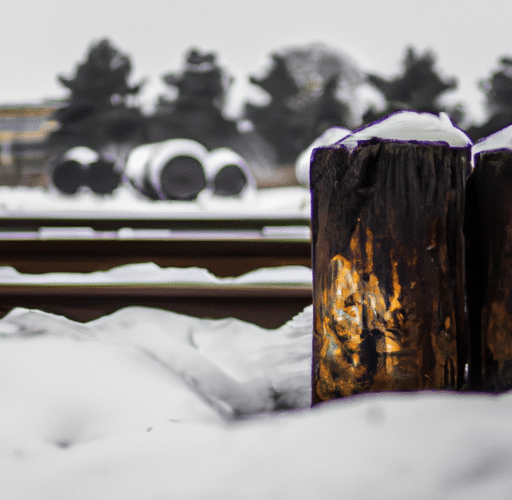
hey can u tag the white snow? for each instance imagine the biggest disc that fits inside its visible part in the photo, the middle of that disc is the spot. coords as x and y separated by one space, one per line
302 164
148 404
126 200
81 154
502 139
406 126
150 272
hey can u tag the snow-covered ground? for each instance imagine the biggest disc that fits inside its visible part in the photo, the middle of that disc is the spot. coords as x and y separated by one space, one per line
125 200
148 404
149 272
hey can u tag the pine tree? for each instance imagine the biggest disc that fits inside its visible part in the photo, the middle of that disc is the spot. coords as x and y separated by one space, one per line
418 88
498 93
498 88
197 110
277 122
302 84
98 108
99 84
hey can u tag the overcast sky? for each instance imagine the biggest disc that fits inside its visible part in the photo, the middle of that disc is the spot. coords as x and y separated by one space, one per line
40 40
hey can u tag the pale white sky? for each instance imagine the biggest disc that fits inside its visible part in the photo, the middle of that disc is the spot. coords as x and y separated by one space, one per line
40 40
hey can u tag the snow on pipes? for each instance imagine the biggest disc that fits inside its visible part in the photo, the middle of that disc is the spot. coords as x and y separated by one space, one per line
70 172
82 168
388 258
228 174
182 169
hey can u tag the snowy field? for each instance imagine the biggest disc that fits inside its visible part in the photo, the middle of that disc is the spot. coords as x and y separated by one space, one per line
146 404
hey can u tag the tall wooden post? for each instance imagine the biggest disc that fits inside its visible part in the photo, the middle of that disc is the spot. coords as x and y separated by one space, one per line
488 232
388 267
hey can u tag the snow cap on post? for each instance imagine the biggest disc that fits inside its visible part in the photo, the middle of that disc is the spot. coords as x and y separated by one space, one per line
500 140
411 126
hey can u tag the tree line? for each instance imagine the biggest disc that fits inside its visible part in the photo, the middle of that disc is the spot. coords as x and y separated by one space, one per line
309 90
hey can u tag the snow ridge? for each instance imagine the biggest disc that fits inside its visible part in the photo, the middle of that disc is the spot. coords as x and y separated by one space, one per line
410 126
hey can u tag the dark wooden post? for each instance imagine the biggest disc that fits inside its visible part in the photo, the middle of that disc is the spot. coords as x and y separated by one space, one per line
488 233
388 267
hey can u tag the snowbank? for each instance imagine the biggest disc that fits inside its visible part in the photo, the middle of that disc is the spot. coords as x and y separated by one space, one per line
150 272
147 404
124 200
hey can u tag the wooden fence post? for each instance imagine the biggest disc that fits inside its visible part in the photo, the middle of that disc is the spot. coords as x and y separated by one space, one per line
488 233
388 263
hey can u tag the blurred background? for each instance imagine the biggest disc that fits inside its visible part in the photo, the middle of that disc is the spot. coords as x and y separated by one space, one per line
84 86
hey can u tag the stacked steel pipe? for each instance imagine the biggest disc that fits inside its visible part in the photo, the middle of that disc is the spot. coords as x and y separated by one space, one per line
181 169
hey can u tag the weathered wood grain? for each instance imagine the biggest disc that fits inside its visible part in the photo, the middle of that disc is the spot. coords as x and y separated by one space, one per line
488 233
388 267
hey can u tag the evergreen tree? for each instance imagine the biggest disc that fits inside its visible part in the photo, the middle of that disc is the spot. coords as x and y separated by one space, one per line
418 88
498 94
102 80
99 84
197 110
200 84
303 85
498 88
277 122
98 109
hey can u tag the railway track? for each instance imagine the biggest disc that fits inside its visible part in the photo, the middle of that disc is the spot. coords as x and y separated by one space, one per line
224 245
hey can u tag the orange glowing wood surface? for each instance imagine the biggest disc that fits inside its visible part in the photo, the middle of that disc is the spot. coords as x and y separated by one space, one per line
388 267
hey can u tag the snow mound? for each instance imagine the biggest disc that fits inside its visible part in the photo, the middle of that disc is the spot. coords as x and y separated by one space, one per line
146 404
411 126
149 272
230 366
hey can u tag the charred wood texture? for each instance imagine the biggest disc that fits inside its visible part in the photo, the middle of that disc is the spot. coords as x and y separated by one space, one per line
388 264
488 233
